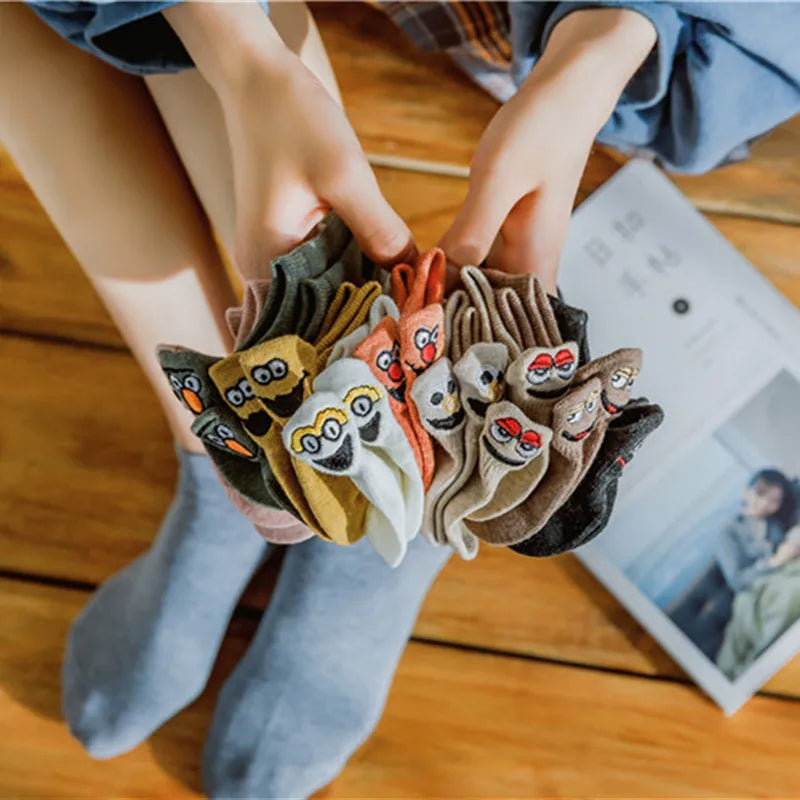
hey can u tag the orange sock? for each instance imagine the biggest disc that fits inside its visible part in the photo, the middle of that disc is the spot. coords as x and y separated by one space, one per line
381 352
413 288
421 345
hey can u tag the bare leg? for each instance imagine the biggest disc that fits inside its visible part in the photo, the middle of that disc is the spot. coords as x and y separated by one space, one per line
97 156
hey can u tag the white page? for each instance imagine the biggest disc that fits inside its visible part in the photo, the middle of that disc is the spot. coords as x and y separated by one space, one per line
638 252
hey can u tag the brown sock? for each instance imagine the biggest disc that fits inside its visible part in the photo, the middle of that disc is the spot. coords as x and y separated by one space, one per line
525 286
280 372
381 353
574 417
436 396
422 342
481 378
241 319
515 317
508 442
453 309
542 301
540 376
483 300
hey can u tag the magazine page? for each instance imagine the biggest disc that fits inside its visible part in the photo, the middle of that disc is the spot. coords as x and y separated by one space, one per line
704 543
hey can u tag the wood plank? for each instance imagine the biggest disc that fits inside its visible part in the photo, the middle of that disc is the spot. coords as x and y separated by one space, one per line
457 724
411 104
81 496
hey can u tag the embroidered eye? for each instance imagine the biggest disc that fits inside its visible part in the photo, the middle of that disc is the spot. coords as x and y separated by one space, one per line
310 444
384 360
565 364
192 383
278 367
246 389
225 432
451 386
505 429
396 351
261 375
436 398
530 442
575 415
631 382
175 383
619 380
235 397
434 334
331 430
488 374
214 439
591 403
538 376
362 405
422 338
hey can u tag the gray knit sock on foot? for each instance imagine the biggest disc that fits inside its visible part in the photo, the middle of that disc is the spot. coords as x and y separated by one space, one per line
143 647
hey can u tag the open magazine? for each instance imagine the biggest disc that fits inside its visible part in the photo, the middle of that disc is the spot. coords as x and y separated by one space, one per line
703 547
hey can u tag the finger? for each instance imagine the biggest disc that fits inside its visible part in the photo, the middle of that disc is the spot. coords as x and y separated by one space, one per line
469 237
533 234
377 227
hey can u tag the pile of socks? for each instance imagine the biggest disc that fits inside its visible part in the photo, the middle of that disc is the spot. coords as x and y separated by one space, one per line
360 404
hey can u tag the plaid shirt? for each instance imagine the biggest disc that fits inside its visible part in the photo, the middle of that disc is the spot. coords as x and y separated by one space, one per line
479 29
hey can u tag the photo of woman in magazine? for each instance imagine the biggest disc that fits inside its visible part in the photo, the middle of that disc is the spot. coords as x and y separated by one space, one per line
721 605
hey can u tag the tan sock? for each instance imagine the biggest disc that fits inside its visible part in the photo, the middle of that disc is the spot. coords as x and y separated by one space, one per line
280 372
483 300
453 309
546 312
436 396
481 378
540 376
525 286
515 317
508 442
574 417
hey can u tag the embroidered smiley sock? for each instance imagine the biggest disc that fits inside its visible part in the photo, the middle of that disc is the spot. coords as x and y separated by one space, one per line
230 379
280 372
587 511
508 442
481 378
423 285
383 306
540 376
421 344
323 435
573 420
380 351
352 381
187 373
525 287
436 396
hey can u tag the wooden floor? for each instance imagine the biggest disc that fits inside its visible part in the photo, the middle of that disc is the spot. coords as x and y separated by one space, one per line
524 678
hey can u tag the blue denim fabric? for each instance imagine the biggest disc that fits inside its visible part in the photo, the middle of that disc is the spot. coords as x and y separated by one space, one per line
721 75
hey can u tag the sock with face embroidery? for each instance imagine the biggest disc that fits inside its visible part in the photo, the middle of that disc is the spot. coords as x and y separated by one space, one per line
436 396
413 288
323 435
380 351
507 443
573 323
352 381
382 307
481 378
250 484
421 344
573 421
587 511
540 376
280 372
524 286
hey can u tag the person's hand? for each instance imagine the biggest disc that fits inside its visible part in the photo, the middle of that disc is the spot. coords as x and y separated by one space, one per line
294 153
527 167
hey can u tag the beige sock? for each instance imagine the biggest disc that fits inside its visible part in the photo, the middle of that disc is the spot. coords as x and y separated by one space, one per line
515 317
540 376
574 417
436 396
483 300
454 308
525 286
508 443
481 378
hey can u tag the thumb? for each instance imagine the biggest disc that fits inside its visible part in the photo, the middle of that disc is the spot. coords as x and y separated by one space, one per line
377 227
470 236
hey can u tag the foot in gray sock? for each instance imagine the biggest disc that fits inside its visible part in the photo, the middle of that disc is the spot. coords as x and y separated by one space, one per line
143 647
313 683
